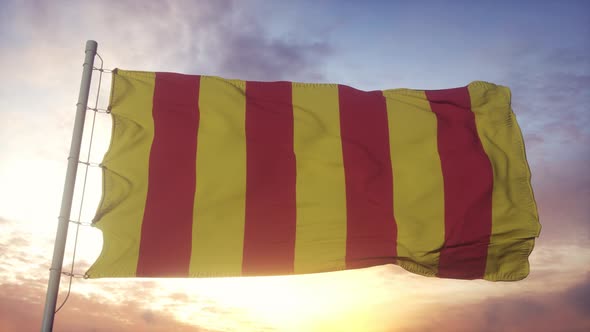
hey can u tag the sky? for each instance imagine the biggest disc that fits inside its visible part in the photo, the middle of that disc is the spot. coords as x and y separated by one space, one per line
540 49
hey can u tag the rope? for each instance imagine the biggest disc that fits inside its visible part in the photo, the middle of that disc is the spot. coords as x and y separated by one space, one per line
101 69
99 110
86 163
89 164
75 275
77 222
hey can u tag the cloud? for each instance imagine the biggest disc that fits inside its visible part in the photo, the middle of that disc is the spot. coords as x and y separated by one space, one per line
148 316
550 92
21 308
545 312
207 37
274 60
17 258
579 297
41 57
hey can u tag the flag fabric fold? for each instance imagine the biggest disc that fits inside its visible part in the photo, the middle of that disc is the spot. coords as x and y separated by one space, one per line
210 177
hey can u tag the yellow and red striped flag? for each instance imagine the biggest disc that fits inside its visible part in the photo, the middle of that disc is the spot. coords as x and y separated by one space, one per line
211 177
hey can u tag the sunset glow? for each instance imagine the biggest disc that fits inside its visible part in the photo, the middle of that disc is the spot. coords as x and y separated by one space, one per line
537 48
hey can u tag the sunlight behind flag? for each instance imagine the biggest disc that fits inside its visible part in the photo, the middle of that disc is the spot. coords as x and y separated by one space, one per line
209 177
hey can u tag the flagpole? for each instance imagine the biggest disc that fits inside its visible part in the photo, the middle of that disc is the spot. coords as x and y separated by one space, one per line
68 192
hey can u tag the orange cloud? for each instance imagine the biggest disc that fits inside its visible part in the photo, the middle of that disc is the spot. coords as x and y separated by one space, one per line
21 308
567 310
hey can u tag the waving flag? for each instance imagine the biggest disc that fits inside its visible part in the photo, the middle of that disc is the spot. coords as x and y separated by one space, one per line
211 177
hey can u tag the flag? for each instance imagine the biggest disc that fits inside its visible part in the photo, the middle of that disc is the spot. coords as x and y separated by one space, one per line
211 177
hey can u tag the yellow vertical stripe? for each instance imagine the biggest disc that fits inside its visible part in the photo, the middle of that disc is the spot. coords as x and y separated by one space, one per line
125 183
220 197
320 243
514 213
418 192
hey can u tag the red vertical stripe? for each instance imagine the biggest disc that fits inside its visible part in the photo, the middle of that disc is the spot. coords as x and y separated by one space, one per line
468 183
166 230
371 229
269 234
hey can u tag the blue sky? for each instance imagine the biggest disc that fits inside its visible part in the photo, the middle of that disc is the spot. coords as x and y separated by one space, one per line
540 49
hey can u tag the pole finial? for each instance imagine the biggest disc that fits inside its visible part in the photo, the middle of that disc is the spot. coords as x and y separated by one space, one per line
91 45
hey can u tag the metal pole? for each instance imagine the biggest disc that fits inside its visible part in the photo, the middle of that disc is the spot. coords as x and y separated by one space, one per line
68 193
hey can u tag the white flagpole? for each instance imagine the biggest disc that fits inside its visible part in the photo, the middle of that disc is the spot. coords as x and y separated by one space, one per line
68 193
